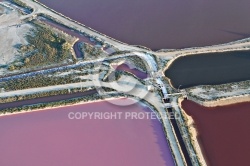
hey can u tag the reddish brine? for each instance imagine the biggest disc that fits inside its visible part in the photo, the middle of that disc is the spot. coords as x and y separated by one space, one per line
223 132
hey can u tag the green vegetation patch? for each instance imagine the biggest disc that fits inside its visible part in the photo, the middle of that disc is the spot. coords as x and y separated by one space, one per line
65 76
42 94
139 63
37 81
21 4
91 52
47 47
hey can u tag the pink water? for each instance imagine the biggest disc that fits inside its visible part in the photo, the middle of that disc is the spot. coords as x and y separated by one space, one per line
136 72
162 23
49 138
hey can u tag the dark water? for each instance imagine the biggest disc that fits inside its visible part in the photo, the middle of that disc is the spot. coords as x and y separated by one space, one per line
77 50
162 23
180 138
223 132
210 69
50 138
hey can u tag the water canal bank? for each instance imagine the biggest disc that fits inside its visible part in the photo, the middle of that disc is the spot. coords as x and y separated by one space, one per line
47 99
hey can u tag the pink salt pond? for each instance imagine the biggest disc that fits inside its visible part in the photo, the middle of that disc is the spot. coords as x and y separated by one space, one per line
134 71
49 137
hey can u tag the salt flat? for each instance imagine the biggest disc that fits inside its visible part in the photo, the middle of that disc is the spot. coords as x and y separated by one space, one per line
11 35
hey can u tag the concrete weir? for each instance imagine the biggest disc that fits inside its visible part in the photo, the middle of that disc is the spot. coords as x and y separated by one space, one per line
181 134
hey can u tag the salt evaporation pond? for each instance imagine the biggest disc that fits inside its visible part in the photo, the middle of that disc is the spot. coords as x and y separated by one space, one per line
48 137
209 69
162 23
223 132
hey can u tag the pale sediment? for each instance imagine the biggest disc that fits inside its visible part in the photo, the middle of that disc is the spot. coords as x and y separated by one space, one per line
72 48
